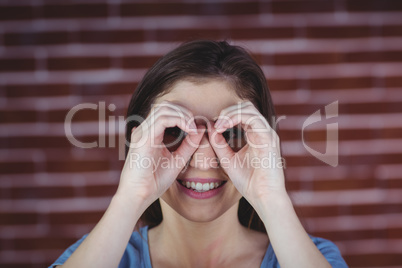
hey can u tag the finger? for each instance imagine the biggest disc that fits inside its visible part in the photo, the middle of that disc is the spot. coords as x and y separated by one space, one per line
172 109
247 120
225 112
239 105
166 106
163 122
258 132
148 132
188 147
219 144
168 109
170 112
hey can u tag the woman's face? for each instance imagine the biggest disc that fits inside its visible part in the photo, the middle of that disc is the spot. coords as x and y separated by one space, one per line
214 193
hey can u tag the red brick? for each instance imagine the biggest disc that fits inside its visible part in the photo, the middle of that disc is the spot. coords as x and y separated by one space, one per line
330 185
282 84
235 33
304 6
101 190
355 235
297 109
111 37
36 90
117 88
341 83
77 166
39 142
368 108
373 259
393 184
205 9
336 58
55 192
17 167
84 115
24 264
338 31
39 38
138 62
17 116
393 233
392 30
393 81
16 12
373 5
307 58
380 56
14 218
86 217
129 36
78 63
39 192
263 32
346 134
372 159
189 34
36 243
17 65
338 210
75 11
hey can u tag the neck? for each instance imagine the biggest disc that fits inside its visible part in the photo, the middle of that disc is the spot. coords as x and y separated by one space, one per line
199 244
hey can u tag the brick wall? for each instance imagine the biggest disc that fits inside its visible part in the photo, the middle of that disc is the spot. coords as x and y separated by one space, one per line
55 55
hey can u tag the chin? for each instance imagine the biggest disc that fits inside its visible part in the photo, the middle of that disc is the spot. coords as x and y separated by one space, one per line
202 214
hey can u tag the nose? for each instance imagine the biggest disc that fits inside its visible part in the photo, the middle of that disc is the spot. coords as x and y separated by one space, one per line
204 156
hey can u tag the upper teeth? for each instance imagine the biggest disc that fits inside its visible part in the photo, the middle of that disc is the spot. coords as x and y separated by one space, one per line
201 187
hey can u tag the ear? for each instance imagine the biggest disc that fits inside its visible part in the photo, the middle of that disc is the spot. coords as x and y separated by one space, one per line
132 130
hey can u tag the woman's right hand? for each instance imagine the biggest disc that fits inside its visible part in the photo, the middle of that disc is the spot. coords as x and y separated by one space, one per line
140 184
150 168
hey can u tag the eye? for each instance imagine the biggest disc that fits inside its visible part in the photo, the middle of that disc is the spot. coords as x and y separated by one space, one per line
235 137
173 137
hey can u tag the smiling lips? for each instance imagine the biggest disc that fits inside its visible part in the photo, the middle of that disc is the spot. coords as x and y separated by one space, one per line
201 188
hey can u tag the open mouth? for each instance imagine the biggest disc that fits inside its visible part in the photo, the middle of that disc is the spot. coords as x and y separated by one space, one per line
202 187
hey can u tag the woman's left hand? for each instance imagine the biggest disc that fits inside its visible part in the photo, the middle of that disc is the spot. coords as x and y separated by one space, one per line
256 170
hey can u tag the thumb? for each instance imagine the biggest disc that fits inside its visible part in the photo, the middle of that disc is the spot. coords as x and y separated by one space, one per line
187 148
219 144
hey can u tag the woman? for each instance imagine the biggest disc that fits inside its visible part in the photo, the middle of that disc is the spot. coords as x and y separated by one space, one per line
202 175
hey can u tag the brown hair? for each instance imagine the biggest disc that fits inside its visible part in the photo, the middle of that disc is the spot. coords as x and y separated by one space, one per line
199 60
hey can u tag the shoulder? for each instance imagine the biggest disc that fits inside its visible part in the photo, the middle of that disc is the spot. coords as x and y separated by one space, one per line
330 251
137 251
327 248
67 253
134 256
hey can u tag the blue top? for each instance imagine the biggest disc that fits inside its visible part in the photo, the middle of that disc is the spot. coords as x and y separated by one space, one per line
137 252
